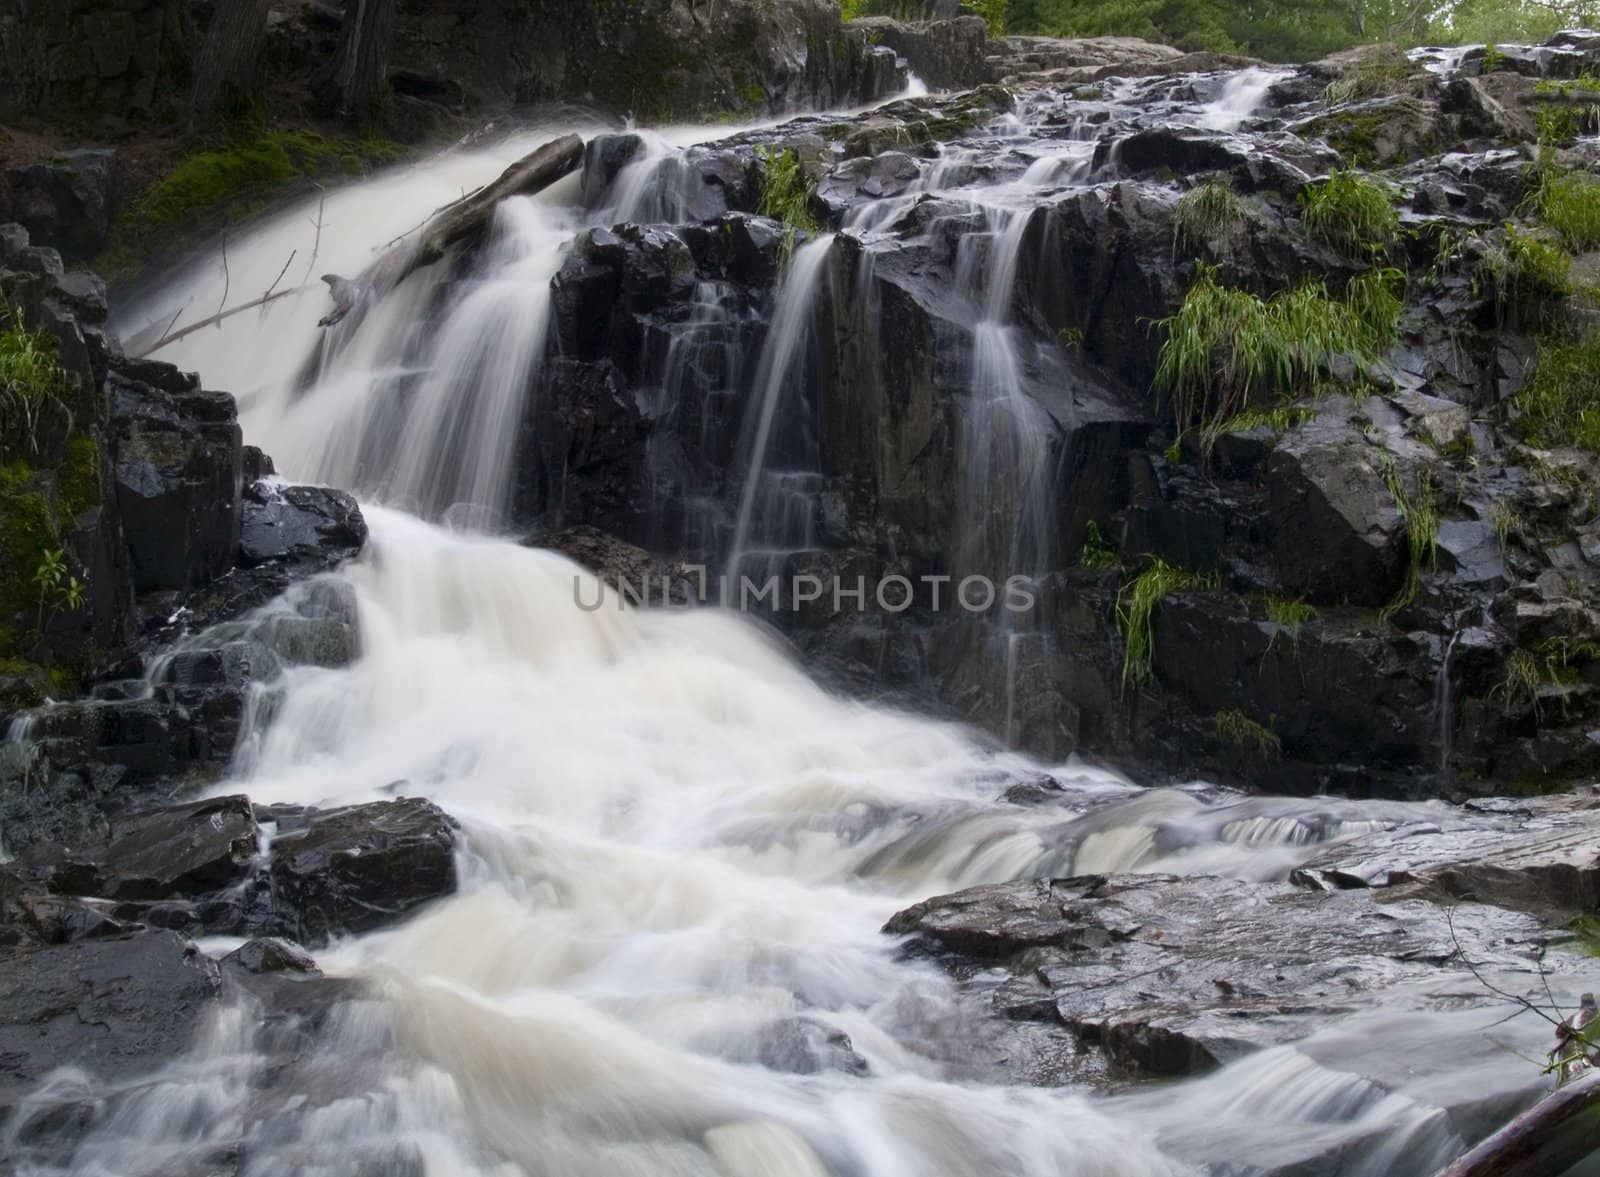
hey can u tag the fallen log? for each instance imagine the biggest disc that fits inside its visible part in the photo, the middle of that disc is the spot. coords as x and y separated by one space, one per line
455 222
1553 1135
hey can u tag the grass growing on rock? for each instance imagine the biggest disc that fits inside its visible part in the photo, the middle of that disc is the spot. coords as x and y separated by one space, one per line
1236 729
1206 216
1421 517
1382 72
1098 552
1228 351
1136 603
786 194
1528 273
31 377
1560 404
1290 616
1350 212
1569 203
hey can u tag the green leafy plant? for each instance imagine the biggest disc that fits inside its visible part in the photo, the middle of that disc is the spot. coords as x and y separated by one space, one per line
786 194
1421 517
1098 552
58 588
31 377
1236 729
1206 216
1290 616
992 11
1493 60
1350 212
1136 603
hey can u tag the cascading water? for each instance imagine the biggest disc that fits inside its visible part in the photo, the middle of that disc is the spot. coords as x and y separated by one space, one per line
677 851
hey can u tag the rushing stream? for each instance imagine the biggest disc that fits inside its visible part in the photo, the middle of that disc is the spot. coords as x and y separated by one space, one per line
677 849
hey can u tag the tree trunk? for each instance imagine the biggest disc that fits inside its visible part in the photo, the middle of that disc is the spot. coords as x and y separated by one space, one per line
228 69
356 82
1554 1134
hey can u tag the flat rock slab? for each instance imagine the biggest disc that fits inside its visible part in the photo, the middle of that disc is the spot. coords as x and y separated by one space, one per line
1168 975
115 1008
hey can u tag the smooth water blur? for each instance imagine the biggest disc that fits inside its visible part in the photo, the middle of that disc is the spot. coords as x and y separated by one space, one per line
677 849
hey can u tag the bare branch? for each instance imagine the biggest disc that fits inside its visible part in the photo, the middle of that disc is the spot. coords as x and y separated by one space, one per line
281 273
227 278
214 320
1461 955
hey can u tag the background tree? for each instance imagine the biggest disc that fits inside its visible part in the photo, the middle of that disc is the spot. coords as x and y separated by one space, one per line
356 81
228 70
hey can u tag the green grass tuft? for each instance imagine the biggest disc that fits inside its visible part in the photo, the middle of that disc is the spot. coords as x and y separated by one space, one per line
1228 351
1506 523
1291 616
786 194
31 378
1569 203
1560 403
1098 552
1135 605
1206 216
1238 730
1353 214
1383 72
1528 274
1421 517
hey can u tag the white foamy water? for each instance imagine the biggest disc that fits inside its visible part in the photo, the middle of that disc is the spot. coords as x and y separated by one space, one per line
677 850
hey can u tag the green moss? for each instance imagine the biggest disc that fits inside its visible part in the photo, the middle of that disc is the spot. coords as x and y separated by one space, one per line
27 533
230 183
78 480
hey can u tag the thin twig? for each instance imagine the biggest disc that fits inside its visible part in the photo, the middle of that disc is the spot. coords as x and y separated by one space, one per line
430 216
214 320
281 273
1461 955
227 278
316 246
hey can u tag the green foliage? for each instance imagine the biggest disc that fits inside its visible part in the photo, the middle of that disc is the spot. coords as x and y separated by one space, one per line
58 588
78 478
1206 216
1421 518
992 11
1560 403
1238 730
1290 616
1136 603
1374 303
1098 552
1493 60
1382 72
1350 212
31 378
233 182
1527 273
1512 22
786 194
1569 203
1227 351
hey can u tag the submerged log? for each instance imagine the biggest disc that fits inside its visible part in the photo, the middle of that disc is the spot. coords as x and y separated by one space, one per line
1553 1135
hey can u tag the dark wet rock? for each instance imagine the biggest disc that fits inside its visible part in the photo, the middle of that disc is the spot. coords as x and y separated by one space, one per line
805 1046
626 569
1170 976
178 475
176 851
270 955
1379 133
603 160
341 871
304 525
115 1008
66 202
946 54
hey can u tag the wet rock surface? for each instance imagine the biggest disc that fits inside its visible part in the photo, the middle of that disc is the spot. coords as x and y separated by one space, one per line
1163 975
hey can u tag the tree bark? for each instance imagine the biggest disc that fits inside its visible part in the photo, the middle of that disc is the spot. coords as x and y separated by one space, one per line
356 82
1554 1134
229 66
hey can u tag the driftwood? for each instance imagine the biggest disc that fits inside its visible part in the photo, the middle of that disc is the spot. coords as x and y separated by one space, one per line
172 337
456 222
1553 1135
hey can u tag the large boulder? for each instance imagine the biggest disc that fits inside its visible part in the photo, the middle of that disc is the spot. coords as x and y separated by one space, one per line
340 871
66 202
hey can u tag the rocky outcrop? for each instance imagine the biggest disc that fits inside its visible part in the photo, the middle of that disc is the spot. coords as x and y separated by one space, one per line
67 201
1171 976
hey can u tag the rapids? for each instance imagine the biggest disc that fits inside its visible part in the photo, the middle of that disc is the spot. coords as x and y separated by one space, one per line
677 848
